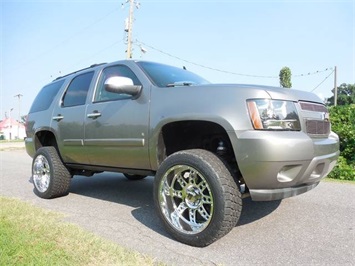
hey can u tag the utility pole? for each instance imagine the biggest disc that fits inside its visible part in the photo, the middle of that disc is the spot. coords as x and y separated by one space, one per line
129 26
335 87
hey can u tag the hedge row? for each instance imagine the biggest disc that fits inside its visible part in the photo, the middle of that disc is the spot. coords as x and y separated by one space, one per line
343 123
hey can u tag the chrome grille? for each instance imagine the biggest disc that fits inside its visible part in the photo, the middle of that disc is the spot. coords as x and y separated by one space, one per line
316 117
313 107
318 127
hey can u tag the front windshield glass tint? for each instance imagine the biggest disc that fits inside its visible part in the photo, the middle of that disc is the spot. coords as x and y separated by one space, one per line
169 76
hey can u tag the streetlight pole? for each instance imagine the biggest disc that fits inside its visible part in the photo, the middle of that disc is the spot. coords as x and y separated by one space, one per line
10 132
19 113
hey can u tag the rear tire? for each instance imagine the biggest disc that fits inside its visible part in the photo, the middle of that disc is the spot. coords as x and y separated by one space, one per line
196 197
50 177
134 177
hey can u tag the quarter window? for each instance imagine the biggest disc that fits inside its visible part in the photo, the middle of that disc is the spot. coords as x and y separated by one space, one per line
78 90
46 96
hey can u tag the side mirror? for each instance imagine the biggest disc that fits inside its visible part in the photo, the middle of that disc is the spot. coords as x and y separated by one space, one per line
122 85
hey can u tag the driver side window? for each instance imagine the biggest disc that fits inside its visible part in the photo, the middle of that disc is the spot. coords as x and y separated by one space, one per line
102 95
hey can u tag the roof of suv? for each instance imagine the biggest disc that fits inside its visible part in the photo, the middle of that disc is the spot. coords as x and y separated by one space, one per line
92 66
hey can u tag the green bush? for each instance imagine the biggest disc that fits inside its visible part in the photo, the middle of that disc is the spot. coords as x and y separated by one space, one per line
343 123
343 170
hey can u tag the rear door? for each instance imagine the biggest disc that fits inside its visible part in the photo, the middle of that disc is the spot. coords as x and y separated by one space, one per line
116 125
68 119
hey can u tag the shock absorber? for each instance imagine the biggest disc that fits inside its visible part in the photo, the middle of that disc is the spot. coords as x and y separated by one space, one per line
221 150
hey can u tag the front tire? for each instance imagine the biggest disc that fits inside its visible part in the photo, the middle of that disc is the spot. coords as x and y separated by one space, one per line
196 197
50 177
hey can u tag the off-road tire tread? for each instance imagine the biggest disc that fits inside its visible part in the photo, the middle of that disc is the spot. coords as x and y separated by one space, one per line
231 196
60 175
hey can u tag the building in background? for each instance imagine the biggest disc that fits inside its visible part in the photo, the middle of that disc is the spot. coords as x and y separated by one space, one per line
11 129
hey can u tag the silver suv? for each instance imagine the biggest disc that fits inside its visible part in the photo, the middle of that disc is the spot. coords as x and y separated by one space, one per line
208 145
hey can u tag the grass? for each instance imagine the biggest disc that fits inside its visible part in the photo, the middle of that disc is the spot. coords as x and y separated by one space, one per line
33 236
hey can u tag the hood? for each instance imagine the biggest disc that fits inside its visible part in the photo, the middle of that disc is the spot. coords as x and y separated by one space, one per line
275 93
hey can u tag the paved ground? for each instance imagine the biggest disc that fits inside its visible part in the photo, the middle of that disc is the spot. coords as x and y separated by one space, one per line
316 228
5 146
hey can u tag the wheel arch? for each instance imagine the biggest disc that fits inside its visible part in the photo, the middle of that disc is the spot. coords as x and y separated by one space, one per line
45 137
187 134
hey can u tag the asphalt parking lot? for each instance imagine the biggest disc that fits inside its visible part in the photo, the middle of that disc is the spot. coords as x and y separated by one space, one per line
316 228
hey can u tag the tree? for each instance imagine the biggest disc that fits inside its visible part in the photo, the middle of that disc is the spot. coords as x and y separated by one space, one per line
285 77
346 95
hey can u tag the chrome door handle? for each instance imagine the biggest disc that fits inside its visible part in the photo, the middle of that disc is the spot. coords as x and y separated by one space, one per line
94 115
58 118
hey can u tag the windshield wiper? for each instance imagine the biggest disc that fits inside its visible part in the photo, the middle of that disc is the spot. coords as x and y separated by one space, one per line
180 83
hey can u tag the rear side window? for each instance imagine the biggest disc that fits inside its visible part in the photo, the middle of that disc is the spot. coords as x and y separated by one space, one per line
78 90
46 96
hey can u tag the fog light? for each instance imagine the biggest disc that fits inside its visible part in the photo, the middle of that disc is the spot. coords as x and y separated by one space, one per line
288 173
318 171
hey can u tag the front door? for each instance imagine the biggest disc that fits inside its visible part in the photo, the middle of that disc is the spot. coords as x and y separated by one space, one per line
116 125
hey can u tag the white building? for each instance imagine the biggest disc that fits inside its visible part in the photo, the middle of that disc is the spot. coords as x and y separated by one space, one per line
11 129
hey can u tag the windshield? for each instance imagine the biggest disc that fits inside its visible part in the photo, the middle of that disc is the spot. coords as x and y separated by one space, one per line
169 76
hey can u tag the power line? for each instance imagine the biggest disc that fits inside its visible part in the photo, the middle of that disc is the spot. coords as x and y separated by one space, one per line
69 38
95 54
226 71
203 66
313 73
323 81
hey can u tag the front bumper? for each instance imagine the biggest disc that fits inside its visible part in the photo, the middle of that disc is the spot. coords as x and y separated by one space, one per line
281 193
277 165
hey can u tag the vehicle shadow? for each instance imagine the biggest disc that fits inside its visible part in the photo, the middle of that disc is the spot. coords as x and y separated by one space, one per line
114 187
255 210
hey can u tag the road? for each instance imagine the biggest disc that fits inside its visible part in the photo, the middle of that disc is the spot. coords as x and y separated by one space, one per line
316 228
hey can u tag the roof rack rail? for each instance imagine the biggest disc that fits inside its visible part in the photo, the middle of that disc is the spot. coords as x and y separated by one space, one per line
94 65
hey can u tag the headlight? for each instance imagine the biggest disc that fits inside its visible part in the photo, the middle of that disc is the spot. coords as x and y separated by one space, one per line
273 115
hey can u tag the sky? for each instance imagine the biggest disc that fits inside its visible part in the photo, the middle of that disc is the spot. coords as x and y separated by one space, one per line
223 41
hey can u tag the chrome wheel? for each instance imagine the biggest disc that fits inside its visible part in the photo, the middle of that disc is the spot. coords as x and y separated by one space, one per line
186 199
51 178
41 173
196 197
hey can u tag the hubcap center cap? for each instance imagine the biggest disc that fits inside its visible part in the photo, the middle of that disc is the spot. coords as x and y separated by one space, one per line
193 197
